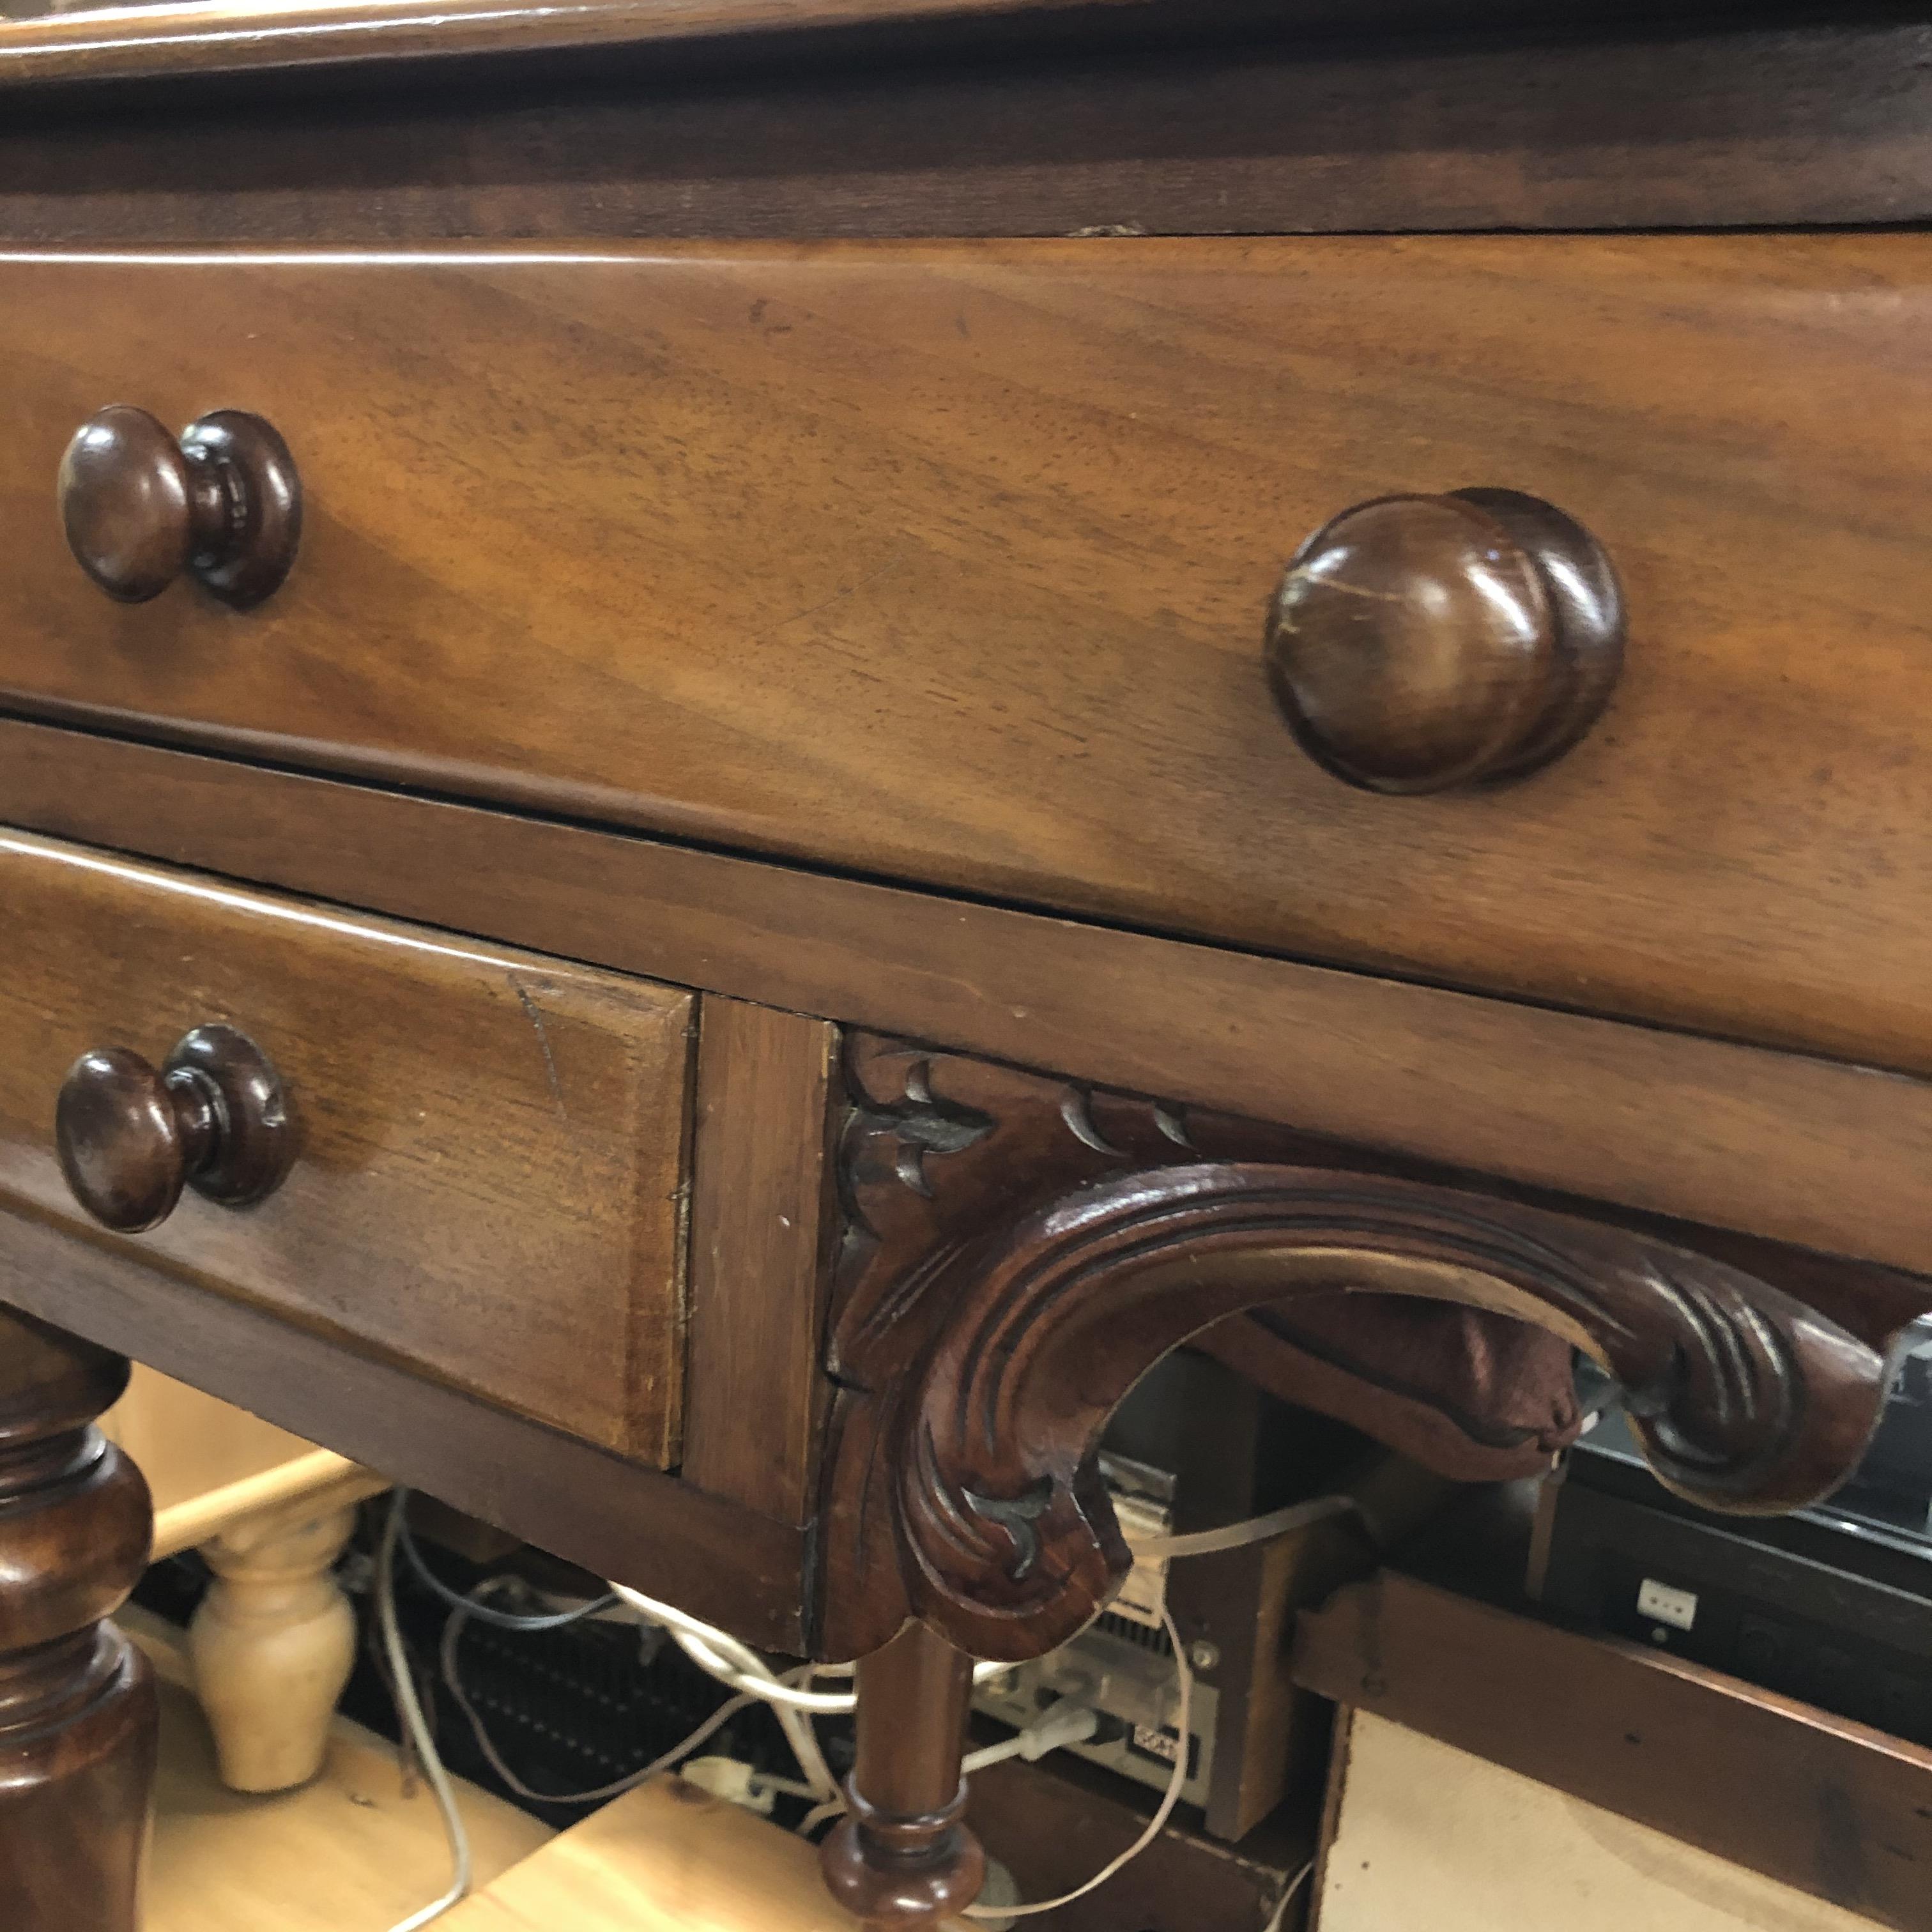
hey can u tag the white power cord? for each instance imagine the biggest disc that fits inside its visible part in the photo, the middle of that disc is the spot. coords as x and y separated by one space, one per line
1253 1529
409 1706
1065 1723
733 1664
1279 1917
794 1702
1155 1826
740 1668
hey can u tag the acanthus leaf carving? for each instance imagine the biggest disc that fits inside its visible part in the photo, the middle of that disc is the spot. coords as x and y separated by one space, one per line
987 1328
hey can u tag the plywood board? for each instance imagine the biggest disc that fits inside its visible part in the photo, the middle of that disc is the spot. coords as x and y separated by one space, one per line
1430 1835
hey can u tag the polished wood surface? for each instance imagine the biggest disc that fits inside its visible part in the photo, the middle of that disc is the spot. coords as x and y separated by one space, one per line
1679 121
1425 643
1799 1150
491 1145
142 507
902 1857
1019 1251
880 636
762 1224
613 1514
180 37
77 1719
54 43
1820 1803
934 663
131 1136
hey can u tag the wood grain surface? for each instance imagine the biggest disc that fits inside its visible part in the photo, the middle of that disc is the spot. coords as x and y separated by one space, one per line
187 1444
1665 121
948 564
669 1857
45 44
1800 1150
1020 1250
611 1514
77 1729
492 1146
1817 1802
210 1465
357 1850
763 1225
1796 1149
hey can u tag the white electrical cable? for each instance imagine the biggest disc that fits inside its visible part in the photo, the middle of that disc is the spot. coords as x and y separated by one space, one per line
734 1664
819 1784
812 1819
409 1707
1255 1529
1155 1826
1279 1917
737 1665
740 1668
805 1745
1068 1722
452 1679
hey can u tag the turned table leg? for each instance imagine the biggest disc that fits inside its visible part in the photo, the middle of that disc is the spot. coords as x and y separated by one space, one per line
77 1709
902 1859
272 1646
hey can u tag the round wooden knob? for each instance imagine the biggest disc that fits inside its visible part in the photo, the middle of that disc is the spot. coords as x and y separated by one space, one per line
142 506
131 1137
1421 644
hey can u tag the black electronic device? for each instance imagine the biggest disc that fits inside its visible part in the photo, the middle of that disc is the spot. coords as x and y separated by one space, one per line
1832 1604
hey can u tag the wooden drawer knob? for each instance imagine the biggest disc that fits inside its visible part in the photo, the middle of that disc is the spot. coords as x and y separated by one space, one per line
131 1137
1422 643
142 506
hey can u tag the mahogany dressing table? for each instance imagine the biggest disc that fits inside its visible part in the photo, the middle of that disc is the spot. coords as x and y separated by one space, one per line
745 743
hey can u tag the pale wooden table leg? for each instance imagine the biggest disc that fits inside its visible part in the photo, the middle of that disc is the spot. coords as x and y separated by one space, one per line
272 1646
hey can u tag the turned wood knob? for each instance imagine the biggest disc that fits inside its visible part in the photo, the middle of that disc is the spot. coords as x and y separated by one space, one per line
131 1137
1423 644
141 506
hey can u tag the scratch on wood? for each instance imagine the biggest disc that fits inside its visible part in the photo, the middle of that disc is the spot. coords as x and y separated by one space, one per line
534 1014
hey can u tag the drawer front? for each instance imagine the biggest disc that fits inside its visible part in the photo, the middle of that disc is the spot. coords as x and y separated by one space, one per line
490 1147
950 563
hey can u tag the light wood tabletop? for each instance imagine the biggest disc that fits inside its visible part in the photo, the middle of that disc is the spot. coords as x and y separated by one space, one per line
351 1853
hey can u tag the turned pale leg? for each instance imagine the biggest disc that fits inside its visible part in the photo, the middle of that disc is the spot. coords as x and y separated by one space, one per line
902 1859
272 1646
78 1716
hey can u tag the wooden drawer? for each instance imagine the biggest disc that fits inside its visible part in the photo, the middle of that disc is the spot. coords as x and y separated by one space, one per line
949 563
491 1147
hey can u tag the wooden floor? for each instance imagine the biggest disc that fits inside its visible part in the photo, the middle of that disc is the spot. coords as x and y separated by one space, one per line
348 1853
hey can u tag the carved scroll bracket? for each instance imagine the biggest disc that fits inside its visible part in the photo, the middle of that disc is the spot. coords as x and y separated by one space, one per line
979 1370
